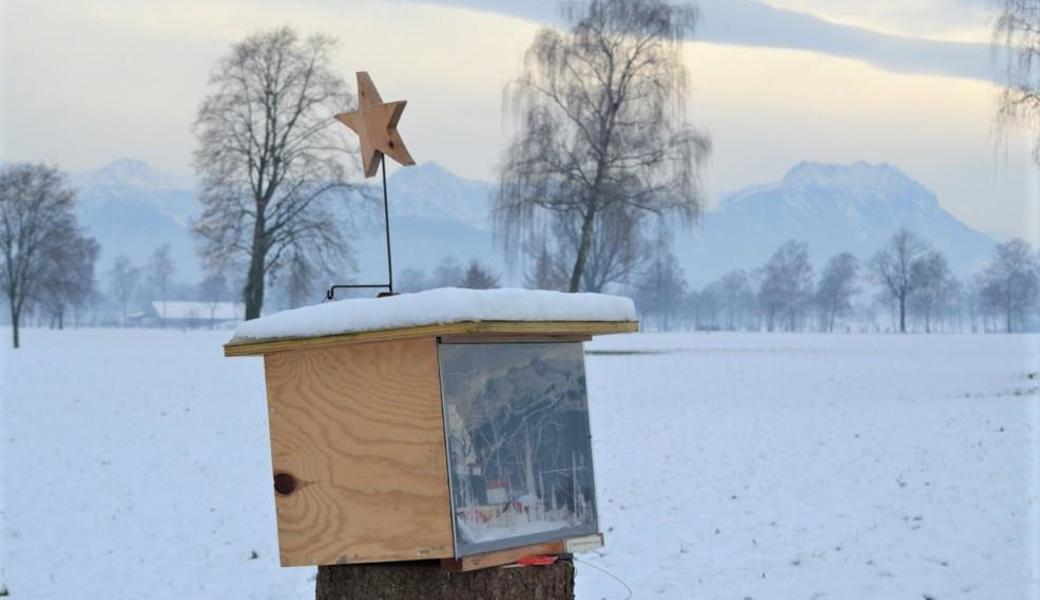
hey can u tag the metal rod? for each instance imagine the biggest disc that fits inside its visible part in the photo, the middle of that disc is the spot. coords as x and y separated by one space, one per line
330 294
386 220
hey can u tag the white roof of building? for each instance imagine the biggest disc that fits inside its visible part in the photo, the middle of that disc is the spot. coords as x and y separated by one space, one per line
186 310
433 307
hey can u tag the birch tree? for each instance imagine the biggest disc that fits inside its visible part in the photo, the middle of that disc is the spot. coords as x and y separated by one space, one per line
1016 33
602 137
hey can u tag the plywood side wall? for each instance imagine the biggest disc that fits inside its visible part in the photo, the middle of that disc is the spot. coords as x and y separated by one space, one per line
360 429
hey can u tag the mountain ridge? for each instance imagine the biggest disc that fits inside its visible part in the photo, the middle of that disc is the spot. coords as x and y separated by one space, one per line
835 208
132 208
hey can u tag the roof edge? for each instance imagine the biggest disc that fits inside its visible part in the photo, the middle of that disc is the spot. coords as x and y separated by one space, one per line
261 347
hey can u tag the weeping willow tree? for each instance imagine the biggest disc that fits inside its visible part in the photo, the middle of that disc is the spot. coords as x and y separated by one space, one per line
1016 35
602 139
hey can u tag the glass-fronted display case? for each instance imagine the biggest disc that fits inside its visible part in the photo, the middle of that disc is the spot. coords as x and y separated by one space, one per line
519 448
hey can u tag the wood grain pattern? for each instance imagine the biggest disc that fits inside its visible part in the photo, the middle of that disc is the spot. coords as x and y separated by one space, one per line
375 122
587 328
360 428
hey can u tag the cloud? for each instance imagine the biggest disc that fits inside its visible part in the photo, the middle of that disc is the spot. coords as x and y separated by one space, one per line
949 20
754 23
87 82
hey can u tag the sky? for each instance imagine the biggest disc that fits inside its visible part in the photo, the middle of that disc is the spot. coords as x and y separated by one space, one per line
774 82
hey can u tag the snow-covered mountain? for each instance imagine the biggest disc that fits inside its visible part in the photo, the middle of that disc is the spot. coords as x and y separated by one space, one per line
132 208
434 214
125 175
429 191
834 208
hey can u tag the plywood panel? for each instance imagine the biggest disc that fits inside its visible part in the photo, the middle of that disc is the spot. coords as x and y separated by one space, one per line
360 429
581 328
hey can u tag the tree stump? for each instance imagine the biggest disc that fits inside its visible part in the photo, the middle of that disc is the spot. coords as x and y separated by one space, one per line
407 581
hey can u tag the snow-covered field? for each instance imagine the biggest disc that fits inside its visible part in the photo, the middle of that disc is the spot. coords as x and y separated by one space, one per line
135 465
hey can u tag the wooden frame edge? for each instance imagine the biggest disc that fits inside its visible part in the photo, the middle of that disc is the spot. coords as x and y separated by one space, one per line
588 328
509 556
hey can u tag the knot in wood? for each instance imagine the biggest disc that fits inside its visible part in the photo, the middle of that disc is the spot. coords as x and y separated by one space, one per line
284 483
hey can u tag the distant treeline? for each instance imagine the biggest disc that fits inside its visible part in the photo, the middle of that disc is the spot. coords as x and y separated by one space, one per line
48 276
905 286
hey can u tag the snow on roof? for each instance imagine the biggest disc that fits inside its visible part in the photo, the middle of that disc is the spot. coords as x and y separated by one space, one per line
186 310
433 307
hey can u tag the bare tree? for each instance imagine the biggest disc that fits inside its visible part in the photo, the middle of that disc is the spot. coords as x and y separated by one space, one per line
36 207
548 272
973 301
478 277
1011 283
956 301
601 130
213 291
123 278
705 308
448 273
67 280
300 278
787 284
618 250
661 289
413 280
270 159
1017 34
160 271
932 286
836 288
735 295
894 266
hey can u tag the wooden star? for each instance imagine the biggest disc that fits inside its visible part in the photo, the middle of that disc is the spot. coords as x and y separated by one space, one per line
375 122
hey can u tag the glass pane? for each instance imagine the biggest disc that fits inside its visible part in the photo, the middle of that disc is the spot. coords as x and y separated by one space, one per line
517 424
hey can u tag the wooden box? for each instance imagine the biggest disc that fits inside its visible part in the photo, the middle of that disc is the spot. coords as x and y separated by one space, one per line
439 441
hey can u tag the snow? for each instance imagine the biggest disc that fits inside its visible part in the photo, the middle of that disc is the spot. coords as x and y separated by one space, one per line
862 180
136 465
199 311
508 529
443 305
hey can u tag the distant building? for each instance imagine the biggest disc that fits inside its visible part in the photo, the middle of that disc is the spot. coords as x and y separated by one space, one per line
190 315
